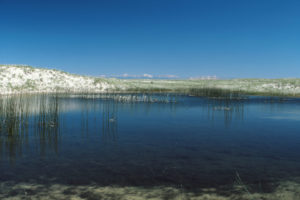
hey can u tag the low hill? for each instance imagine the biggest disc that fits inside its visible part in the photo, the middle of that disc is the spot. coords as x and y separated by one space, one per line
15 79
26 79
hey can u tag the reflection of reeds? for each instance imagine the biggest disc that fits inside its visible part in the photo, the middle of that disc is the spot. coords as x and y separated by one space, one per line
14 126
229 108
109 121
47 122
19 114
104 116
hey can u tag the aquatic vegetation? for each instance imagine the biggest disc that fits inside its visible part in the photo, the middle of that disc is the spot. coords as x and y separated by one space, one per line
23 115
130 97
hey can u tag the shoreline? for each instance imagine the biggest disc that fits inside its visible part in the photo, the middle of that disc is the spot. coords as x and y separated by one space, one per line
179 92
288 190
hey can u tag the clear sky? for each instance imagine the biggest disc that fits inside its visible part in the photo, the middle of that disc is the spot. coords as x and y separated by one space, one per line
187 38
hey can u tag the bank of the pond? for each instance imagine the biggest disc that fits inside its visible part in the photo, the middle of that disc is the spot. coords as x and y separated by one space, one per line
288 190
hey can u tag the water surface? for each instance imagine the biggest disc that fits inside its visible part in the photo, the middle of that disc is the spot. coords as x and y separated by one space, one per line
179 141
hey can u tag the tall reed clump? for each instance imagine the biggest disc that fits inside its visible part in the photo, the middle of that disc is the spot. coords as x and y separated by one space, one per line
22 116
14 120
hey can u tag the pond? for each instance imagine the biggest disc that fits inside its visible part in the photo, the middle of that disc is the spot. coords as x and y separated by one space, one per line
188 143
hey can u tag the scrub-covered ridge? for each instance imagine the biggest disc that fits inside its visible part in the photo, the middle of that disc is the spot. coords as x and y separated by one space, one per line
26 79
16 79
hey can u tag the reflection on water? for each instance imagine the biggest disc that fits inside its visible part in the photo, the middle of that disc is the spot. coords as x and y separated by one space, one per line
109 121
21 116
230 109
100 118
41 115
169 140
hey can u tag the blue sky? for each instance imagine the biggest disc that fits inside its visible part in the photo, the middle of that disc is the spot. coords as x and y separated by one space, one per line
186 38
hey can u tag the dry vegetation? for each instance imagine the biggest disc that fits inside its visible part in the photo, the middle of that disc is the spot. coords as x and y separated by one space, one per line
26 79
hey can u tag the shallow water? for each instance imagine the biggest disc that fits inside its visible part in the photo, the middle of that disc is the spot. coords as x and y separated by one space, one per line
177 141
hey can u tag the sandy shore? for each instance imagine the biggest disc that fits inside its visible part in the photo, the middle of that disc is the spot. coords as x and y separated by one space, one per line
288 190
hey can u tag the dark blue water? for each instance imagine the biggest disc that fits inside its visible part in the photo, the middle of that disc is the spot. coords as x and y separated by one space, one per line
190 143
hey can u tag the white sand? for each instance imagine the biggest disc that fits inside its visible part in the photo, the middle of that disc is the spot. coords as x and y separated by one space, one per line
25 79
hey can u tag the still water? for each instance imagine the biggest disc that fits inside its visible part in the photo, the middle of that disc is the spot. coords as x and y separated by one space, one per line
124 140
